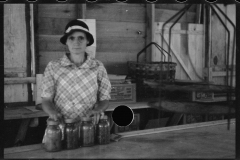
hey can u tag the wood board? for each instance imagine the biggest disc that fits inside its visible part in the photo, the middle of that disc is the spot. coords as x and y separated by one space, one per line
118 13
15 50
57 10
162 15
184 141
186 49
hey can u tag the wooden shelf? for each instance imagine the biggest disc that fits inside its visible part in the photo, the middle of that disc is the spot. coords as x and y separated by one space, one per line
31 112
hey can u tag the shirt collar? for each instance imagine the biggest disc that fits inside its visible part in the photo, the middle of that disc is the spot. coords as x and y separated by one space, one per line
89 63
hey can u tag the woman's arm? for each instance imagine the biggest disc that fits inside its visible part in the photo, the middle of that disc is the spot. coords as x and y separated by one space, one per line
48 107
98 110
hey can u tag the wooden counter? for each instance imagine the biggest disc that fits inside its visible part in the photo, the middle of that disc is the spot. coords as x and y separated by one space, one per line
202 140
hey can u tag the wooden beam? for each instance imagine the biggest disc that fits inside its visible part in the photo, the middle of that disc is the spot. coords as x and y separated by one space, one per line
15 70
22 132
81 11
150 31
166 31
19 80
221 74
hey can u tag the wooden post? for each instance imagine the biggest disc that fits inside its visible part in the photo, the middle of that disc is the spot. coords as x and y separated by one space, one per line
81 11
150 31
28 48
237 86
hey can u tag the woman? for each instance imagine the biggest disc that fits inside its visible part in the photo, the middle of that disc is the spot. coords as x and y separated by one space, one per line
75 85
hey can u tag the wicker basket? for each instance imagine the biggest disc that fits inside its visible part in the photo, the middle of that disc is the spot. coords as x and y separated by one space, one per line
163 71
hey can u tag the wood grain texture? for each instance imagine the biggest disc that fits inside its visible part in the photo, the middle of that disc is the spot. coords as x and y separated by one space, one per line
51 25
15 49
107 29
176 50
57 10
124 45
187 49
162 15
218 39
195 51
118 13
176 7
231 13
150 29
19 80
81 11
184 141
38 89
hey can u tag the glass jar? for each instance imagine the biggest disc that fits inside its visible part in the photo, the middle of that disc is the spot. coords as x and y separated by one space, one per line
71 130
53 136
103 131
86 132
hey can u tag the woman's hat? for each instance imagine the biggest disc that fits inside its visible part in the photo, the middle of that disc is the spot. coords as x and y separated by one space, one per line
76 25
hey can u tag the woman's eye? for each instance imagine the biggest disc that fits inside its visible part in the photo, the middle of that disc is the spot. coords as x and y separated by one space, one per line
81 38
71 38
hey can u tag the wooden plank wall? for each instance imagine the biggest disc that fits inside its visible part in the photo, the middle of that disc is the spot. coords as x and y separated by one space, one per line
166 11
219 43
120 33
52 19
186 49
180 39
15 51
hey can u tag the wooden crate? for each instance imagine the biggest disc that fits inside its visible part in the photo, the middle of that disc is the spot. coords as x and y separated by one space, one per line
196 118
123 93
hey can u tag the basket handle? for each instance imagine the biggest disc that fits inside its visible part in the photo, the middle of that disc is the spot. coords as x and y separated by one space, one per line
156 45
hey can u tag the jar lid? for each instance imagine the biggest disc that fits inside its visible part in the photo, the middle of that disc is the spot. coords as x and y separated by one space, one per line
70 120
51 121
104 117
86 119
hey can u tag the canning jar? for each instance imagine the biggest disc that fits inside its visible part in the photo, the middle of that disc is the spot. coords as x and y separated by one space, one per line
53 136
71 130
103 131
86 132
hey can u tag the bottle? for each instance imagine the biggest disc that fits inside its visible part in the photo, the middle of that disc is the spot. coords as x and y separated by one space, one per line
71 131
86 132
53 136
103 131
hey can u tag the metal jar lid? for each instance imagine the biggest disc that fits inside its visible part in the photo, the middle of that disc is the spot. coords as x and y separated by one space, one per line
70 120
86 119
52 122
104 117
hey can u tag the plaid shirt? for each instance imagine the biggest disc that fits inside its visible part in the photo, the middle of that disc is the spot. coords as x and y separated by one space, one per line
75 90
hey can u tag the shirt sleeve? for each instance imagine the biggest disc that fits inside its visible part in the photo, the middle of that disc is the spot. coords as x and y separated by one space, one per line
104 84
48 82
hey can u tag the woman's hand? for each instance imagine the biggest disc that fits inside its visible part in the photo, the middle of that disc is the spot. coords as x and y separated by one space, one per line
56 116
48 107
96 115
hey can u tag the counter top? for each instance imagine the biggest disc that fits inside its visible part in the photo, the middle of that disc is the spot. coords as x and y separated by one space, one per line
202 140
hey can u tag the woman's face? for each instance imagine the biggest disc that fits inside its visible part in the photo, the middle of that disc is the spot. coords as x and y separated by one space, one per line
77 42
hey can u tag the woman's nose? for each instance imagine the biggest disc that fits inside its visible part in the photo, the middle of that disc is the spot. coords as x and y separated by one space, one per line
77 41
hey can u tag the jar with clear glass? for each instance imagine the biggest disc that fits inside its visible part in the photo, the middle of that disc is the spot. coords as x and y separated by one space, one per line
103 131
71 133
52 140
86 132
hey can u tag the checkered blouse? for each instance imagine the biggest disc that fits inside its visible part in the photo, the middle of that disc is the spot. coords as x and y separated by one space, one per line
74 89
